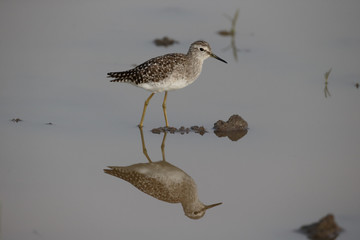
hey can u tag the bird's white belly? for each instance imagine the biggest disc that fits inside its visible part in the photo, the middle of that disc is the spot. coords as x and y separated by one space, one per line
166 85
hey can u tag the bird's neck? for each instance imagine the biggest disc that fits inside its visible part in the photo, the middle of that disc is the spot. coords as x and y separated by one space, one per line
194 66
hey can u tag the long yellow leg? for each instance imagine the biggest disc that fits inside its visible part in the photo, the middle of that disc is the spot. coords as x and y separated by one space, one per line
164 108
163 146
144 111
143 144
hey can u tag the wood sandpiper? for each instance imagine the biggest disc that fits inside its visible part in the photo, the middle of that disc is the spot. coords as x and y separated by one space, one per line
168 72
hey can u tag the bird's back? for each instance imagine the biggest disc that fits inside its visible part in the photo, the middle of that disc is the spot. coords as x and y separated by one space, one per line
160 180
154 70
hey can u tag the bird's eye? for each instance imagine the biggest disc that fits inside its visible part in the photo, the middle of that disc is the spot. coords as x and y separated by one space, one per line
201 49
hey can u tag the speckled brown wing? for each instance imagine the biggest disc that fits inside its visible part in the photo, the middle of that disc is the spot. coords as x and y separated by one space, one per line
146 184
153 70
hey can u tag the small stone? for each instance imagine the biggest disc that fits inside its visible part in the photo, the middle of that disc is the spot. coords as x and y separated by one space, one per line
226 33
171 130
235 128
182 130
16 120
201 130
325 229
156 130
194 128
165 41
235 122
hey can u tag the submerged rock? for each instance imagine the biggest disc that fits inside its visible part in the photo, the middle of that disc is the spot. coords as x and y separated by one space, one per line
325 229
235 128
165 42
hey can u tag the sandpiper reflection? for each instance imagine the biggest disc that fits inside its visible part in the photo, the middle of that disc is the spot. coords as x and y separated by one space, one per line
163 181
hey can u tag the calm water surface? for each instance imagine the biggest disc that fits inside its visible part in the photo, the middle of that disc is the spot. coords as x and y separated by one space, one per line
298 162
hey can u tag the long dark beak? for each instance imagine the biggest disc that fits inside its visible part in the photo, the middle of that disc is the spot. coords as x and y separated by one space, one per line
216 204
214 56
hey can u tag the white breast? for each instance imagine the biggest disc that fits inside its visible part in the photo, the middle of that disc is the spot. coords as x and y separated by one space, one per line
167 85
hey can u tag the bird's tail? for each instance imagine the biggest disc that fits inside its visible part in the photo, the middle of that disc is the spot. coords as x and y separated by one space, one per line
115 171
118 76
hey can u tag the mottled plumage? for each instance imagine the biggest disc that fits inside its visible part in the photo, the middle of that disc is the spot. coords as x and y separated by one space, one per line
160 180
153 70
165 182
168 72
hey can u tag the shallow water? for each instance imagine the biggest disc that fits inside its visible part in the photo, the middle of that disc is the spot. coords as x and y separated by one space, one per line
298 161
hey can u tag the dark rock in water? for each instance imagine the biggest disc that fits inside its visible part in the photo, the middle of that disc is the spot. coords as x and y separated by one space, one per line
171 129
165 42
156 130
234 123
16 120
182 130
235 128
200 130
226 33
325 229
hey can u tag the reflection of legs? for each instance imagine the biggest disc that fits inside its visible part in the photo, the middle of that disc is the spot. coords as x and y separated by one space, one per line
143 144
163 146
144 111
164 108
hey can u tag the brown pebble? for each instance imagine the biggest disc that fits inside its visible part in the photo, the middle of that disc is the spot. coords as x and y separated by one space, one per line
165 42
194 128
325 228
235 122
156 130
182 130
235 128
16 120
